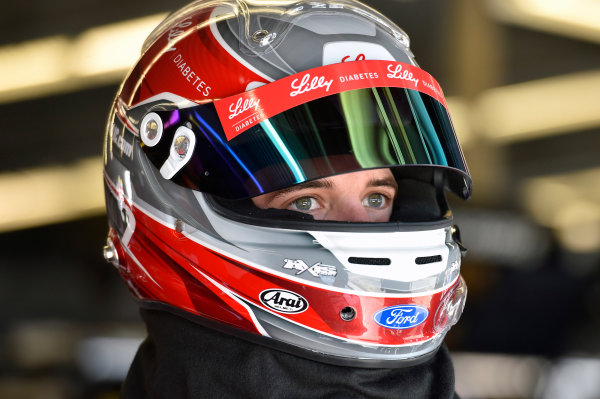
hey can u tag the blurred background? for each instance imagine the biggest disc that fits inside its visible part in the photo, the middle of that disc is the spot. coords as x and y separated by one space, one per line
522 79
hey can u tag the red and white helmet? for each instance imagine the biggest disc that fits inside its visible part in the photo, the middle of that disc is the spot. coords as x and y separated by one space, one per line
236 98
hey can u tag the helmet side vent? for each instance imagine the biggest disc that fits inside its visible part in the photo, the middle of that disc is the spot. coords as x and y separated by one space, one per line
370 261
425 260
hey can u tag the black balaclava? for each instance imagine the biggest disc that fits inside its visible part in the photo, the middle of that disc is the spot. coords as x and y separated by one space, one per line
182 359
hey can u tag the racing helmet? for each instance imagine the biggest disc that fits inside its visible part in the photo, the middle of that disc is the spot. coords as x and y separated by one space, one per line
237 98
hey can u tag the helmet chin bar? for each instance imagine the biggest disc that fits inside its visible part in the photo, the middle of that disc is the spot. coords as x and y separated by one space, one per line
311 344
401 314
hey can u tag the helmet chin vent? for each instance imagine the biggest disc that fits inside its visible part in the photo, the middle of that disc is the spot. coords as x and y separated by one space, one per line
424 260
370 261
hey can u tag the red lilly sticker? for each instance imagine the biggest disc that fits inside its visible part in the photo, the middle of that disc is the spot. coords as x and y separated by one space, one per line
242 111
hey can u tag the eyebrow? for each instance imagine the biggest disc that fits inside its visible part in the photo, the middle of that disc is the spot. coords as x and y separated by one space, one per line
321 183
385 182
327 184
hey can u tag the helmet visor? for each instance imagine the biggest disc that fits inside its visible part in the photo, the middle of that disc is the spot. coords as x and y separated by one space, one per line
352 130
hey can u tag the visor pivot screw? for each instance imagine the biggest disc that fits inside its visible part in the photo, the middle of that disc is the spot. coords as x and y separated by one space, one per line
178 226
181 145
348 313
151 129
206 173
259 35
263 37
110 253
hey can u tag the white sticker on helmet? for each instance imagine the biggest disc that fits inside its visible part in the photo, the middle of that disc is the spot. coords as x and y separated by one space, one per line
335 52
391 255
254 85
338 24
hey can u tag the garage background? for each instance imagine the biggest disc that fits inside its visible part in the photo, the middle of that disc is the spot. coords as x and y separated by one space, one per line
522 79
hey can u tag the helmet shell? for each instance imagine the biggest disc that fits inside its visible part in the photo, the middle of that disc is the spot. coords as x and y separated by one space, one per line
366 295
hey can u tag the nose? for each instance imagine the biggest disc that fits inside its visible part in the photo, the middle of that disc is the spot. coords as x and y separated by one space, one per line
348 210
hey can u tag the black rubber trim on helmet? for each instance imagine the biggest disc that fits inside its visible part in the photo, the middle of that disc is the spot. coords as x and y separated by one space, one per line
420 204
269 218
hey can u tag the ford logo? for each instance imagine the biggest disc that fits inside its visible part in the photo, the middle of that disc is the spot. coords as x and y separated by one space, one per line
283 301
401 317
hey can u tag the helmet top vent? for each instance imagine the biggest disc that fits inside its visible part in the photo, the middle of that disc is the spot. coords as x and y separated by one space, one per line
370 261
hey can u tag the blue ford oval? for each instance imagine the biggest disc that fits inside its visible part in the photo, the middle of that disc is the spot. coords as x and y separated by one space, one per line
401 317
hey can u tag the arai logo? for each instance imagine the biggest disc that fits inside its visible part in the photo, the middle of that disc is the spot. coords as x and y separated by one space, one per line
401 317
283 301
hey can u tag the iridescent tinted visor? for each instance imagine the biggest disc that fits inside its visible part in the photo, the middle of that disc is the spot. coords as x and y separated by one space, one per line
245 145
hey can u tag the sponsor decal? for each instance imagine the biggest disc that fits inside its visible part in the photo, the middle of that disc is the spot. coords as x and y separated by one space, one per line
317 270
190 75
360 57
355 50
283 301
359 76
397 72
307 84
119 141
401 317
240 112
240 107
177 31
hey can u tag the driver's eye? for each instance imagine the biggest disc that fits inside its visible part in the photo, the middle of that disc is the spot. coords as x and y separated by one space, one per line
374 200
304 203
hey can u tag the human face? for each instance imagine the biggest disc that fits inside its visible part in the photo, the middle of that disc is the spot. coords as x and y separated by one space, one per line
365 196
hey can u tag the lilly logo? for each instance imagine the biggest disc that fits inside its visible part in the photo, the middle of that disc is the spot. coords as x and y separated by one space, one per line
401 317
242 106
304 85
283 301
